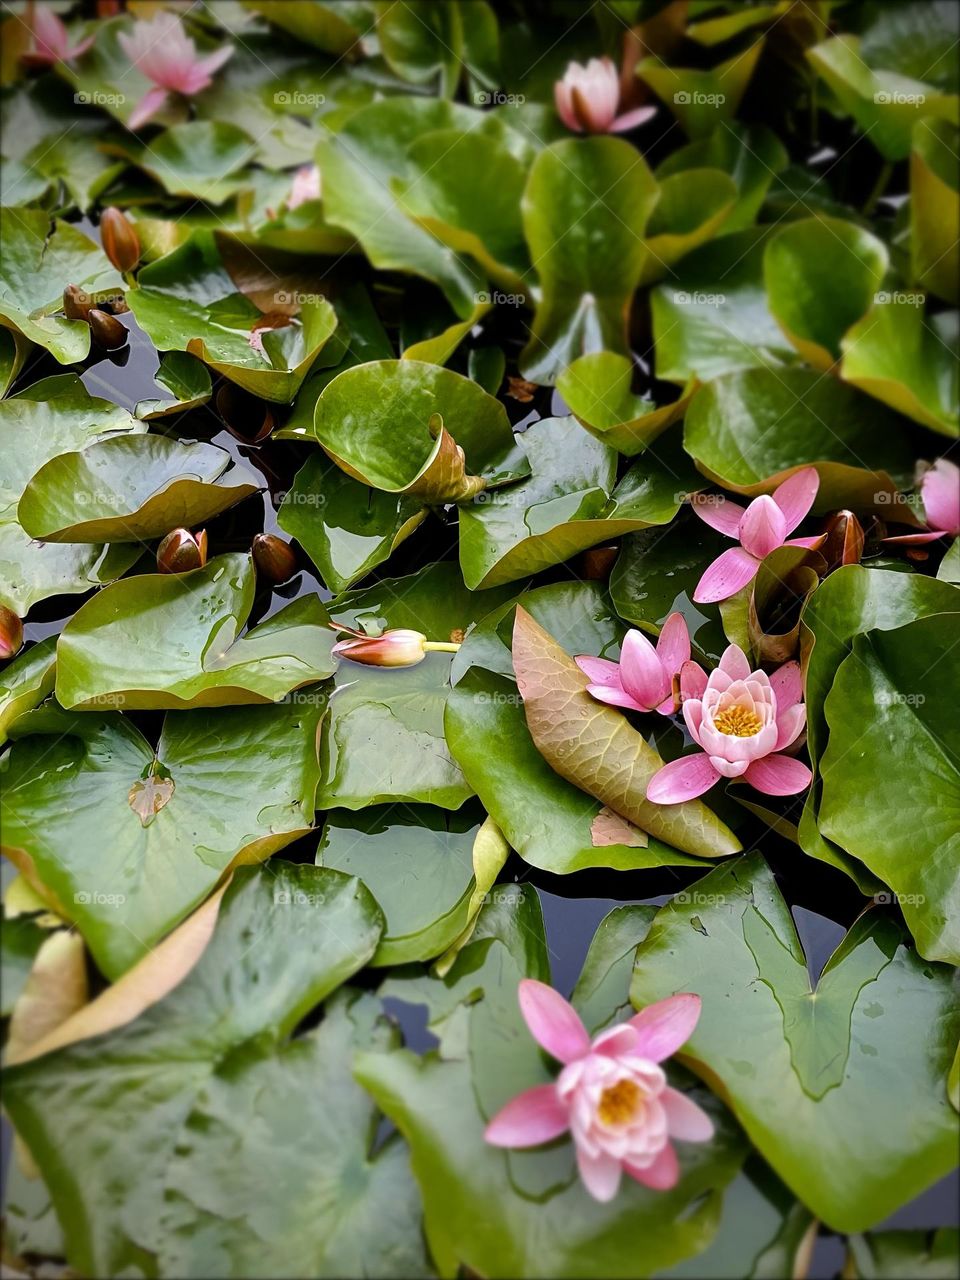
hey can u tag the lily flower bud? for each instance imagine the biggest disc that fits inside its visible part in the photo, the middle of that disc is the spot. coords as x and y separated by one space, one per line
76 304
844 539
181 551
106 330
120 241
397 648
274 558
11 633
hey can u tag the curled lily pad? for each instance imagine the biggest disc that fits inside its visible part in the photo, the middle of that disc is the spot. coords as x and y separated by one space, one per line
14 349
414 428
585 211
692 207
130 489
40 259
117 651
26 682
596 388
182 382
935 208
125 840
751 154
188 301
701 98
884 1255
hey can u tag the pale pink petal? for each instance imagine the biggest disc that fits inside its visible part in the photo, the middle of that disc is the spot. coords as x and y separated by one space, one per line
214 61
733 663
796 496
673 646
693 680
682 779
553 1021
787 685
940 490
763 527
810 543
685 1119
666 1025
564 103
600 1174
632 119
641 671
778 775
669 706
693 716
600 670
151 102
615 697
790 725
719 513
617 1040
662 1174
532 1117
915 539
49 33
730 571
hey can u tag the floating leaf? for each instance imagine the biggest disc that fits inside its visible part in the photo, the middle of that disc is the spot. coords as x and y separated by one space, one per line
25 682
597 391
182 381
692 207
888 1255
935 208
751 154
702 98
201 159
334 28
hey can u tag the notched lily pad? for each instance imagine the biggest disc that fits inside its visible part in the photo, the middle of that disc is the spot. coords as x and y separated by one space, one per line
597 391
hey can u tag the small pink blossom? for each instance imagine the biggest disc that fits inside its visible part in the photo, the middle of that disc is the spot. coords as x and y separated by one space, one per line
645 678
305 186
742 719
940 491
51 41
761 527
165 54
587 99
612 1094
399 647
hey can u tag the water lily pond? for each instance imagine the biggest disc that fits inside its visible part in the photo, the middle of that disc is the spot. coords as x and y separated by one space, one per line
479 633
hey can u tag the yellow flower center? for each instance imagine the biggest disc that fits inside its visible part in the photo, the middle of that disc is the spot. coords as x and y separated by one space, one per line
619 1102
738 722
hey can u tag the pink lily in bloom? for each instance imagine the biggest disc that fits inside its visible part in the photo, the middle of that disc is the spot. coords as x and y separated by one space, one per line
165 54
742 719
761 527
645 678
940 491
612 1094
51 41
587 99
305 186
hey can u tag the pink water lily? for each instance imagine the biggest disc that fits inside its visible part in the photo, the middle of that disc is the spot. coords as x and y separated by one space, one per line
645 678
51 40
760 528
587 99
743 720
305 186
165 54
940 491
612 1094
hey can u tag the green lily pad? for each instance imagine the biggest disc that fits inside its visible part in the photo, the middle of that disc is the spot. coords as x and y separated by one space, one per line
585 211
891 1255
747 431
124 841
420 865
422 41
701 99
751 154
597 391
885 1023
570 502
360 164
202 159
537 1218
907 360
182 381
935 208
131 489
173 641
345 527
39 260
188 301
397 425
20 940
286 937
821 276
384 740
692 207
889 707
14 349
52 416
334 28
25 682
713 317
438 348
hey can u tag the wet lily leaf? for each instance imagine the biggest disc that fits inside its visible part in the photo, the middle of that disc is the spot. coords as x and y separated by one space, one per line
40 259
701 98
887 1255
560 1230
692 207
748 430
203 159
596 388
588 252
116 652
188 301
14 349
891 689
131 489
570 502
830 1065
20 941
422 41
935 208
25 683
182 382
216 1041
334 28
239 784
420 865
751 154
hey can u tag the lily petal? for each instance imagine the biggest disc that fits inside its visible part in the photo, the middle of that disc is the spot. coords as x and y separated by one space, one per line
600 1174
693 680
685 1120
682 779
796 496
616 697
673 645
787 685
600 670
778 775
733 662
553 1021
719 513
532 1117
662 1174
940 490
632 119
641 671
790 724
666 1025
730 571
763 527
147 107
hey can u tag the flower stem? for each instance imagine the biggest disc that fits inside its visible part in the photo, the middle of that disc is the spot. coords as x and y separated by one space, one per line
440 646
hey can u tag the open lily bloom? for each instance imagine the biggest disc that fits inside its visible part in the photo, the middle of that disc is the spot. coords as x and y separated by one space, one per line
51 41
646 678
165 54
742 720
612 1094
760 528
940 491
587 99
